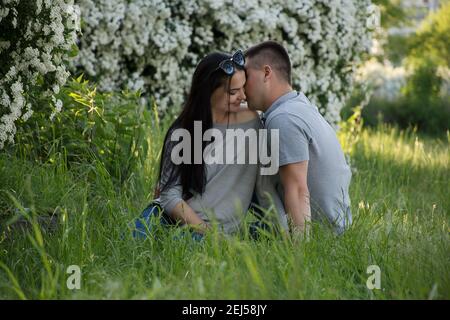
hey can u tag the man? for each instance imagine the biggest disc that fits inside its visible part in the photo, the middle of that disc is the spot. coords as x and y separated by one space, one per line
313 177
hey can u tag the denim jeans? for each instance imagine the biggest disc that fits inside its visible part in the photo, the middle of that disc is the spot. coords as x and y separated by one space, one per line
144 226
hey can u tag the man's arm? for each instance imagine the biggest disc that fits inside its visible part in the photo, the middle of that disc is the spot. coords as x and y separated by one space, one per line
296 194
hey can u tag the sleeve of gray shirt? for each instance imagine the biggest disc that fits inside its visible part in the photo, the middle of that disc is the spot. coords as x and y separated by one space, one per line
172 195
270 201
294 139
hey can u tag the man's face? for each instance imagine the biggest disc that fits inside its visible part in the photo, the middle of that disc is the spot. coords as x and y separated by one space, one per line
254 87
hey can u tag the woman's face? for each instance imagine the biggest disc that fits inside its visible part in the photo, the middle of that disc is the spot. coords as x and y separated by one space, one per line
219 98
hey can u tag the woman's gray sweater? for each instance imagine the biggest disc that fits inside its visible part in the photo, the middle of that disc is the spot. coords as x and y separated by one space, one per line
229 187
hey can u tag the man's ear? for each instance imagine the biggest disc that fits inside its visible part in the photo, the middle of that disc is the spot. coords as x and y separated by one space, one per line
268 72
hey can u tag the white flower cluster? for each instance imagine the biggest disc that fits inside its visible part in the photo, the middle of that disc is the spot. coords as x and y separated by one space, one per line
382 79
385 81
154 45
34 43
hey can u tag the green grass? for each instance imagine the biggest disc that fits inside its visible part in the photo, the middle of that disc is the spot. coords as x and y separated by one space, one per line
400 204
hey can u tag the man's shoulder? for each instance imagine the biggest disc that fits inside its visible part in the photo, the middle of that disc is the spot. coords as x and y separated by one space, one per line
288 121
286 113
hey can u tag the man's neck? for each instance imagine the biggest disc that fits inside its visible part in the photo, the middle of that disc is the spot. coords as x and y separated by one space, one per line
276 94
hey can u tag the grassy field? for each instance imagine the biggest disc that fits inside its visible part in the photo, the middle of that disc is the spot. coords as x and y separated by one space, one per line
400 203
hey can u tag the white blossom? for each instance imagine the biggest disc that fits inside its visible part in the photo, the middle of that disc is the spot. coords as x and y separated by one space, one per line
155 45
37 48
382 80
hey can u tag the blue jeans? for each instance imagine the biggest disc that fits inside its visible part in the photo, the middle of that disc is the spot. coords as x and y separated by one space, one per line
143 225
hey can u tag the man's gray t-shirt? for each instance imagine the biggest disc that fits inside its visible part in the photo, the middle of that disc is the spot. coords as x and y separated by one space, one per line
305 135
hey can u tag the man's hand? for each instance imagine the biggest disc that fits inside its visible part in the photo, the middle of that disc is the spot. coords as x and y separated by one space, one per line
296 195
301 235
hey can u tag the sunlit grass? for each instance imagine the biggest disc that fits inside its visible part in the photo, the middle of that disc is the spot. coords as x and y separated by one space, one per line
400 203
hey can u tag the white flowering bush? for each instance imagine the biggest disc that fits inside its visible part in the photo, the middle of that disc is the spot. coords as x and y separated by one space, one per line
35 43
155 45
383 80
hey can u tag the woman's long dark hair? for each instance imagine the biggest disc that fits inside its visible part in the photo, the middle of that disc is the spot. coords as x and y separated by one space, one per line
206 79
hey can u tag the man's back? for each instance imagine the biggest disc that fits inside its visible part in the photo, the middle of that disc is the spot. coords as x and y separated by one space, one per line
306 135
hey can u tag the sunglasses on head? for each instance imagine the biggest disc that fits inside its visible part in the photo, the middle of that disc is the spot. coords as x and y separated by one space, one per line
228 65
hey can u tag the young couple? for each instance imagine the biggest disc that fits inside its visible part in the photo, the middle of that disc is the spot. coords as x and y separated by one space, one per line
312 179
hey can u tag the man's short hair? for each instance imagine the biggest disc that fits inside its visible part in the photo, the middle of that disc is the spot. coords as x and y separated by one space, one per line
271 53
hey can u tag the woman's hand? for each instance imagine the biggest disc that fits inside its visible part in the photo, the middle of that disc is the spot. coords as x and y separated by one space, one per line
202 228
184 213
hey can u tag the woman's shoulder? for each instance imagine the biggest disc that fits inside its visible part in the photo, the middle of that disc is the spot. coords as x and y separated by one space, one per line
244 118
246 115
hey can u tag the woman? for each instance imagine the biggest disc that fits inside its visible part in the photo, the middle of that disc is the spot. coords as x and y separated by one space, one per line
202 194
